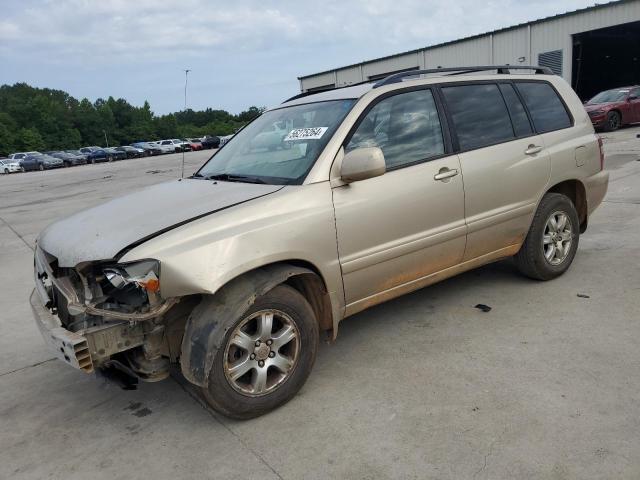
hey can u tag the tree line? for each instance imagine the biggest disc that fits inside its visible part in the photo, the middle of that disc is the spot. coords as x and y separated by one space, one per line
46 119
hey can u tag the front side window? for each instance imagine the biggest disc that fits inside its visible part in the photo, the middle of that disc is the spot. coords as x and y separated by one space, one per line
479 115
280 146
405 126
546 109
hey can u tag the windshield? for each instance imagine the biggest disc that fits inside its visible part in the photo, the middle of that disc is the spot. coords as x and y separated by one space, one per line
609 96
280 146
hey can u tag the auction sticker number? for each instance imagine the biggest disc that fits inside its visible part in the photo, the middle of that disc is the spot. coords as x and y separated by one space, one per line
312 133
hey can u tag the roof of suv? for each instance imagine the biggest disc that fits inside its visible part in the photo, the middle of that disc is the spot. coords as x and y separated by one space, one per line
417 77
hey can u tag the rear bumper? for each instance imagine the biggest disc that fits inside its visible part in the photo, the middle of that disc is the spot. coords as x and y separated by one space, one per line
596 188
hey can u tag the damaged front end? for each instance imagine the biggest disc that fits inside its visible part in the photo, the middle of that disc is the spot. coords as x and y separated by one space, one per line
102 315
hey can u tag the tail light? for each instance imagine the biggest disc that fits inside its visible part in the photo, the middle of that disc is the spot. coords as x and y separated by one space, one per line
600 148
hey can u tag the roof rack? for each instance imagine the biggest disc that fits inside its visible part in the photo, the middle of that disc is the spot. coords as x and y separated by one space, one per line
313 92
501 69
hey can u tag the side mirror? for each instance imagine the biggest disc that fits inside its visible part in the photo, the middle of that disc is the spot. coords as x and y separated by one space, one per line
362 163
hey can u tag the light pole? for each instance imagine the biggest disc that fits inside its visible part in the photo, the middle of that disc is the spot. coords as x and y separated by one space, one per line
186 79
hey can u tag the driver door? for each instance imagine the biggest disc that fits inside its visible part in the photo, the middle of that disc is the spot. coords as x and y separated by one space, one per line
397 229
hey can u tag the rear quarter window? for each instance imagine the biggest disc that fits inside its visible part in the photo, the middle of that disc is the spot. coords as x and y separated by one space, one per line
547 111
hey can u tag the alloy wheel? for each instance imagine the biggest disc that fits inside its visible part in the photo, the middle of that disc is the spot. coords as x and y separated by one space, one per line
262 352
557 238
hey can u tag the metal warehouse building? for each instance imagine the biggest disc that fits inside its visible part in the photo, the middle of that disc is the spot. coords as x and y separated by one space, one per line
594 48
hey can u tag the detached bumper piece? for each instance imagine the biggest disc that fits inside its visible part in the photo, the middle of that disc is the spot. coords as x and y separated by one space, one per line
67 346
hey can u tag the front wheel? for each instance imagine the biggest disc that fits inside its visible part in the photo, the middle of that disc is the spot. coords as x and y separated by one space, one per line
552 241
613 121
266 356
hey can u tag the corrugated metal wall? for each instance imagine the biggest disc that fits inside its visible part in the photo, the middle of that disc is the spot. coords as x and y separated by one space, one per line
514 46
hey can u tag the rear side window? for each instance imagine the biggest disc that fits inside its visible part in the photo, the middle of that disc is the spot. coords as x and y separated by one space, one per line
405 126
519 118
547 110
479 115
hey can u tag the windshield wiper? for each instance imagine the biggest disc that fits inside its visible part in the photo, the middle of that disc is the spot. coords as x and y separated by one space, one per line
226 177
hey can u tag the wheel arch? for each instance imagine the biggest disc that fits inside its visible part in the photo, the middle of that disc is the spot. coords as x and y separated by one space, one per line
204 334
575 190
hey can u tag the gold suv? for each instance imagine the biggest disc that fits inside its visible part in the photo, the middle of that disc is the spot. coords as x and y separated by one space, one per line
321 207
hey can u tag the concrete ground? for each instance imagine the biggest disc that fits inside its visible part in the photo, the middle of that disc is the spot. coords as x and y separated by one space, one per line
544 386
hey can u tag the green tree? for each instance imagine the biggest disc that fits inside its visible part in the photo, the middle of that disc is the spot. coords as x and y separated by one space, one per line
29 139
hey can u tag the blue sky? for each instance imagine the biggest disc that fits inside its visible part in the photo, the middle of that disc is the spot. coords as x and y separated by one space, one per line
241 54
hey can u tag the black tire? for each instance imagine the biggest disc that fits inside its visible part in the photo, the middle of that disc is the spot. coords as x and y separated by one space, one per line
613 121
225 399
531 260
6 171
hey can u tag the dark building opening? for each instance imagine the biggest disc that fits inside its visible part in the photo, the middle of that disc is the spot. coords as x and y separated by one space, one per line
606 58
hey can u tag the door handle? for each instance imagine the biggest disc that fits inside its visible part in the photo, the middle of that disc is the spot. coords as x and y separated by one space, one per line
532 149
445 173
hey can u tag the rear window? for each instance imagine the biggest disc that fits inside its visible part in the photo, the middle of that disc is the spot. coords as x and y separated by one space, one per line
479 115
547 110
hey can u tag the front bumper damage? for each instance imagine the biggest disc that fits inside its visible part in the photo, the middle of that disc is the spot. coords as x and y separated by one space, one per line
108 334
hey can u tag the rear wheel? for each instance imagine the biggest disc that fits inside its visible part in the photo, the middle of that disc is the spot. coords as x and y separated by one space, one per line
266 356
613 121
552 241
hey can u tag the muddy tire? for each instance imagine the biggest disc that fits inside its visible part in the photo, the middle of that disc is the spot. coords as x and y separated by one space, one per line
552 241
266 356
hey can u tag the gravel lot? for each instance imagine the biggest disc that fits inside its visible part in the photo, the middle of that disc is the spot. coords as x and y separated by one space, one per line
545 385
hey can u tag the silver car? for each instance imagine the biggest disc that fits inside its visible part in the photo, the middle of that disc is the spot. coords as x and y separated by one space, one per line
375 190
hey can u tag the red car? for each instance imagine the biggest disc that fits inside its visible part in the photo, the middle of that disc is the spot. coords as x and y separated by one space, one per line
611 109
194 143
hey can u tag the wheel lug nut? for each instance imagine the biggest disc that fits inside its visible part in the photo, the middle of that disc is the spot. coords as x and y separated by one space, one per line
257 343
272 354
269 342
261 363
253 356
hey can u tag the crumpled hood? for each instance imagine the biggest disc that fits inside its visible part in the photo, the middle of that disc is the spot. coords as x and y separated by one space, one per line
102 232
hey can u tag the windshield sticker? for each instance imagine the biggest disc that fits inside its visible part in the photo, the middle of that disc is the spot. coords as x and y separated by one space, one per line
313 133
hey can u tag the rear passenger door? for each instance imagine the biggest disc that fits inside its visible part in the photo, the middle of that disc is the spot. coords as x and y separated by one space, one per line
504 164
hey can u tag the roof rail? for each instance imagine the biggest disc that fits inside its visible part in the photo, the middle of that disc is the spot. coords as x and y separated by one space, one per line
313 92
501 69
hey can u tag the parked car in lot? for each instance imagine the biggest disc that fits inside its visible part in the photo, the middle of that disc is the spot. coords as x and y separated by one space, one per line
9 166
132 152
99 155
167 146
78 153
148 147
211 141
40 161
115 154
611 109
380 189
224 139
88 150
21 155
194 144
181 145
70 159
